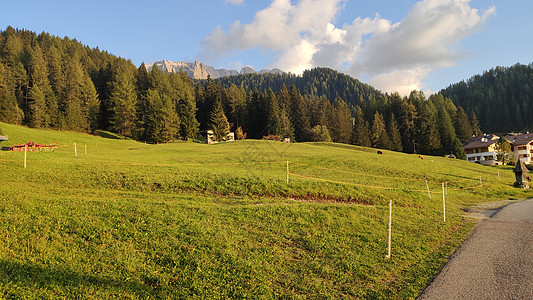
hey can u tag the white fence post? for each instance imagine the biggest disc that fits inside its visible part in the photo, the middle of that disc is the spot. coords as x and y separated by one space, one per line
390 229
427 186
287 172
443 203
25 151
75 150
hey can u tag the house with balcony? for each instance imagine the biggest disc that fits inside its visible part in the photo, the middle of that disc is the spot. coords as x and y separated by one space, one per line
522 146
482 149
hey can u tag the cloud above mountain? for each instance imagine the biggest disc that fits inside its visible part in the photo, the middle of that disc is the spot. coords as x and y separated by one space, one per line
393 56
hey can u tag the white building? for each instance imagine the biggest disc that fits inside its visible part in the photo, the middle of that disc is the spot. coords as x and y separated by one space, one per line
482 149
522 145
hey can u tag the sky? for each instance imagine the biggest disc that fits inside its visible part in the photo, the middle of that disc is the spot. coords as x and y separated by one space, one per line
394 45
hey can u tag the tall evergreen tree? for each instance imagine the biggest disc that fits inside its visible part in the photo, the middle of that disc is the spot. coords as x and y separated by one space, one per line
380 138
394 134
429 141
463 128
476 130
9 109
189 126
124 102
219 123
37 105
342 122
299 115
170 120
274 125
361 130
458 149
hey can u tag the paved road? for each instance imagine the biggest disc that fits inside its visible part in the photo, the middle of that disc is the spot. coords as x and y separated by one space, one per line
495 262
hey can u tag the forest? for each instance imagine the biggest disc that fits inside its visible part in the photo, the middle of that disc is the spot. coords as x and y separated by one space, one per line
52 82
501 97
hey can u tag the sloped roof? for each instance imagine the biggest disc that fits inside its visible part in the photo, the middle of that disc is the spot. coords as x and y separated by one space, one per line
481 141
520 139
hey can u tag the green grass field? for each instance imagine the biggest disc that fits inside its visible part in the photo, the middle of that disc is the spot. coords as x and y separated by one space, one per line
188 220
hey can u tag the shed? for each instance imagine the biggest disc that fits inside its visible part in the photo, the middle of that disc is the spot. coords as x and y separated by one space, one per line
3 138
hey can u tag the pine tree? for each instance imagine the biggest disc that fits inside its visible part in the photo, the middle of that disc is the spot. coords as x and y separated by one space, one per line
342 122
361 131
458 149
408 118
124 102
299 115
37 105
170 120
429 141
476 130
463 128
219 123
380 138
189 125
274 116
394 134
446 131
9 109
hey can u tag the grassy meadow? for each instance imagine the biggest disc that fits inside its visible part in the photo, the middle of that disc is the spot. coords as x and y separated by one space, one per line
187 220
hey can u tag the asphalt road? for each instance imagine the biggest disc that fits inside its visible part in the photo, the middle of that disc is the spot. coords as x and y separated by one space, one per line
495 262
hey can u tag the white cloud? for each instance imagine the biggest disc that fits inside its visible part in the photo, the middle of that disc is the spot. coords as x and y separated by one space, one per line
234 2
396 57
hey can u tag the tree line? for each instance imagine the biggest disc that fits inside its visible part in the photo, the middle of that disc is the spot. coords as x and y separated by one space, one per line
501 97
51 82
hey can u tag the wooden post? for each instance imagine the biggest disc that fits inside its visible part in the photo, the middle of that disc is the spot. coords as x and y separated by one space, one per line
498 175
287 172
480 182
427 186
85 149
75 150
25 151
390 230
443 203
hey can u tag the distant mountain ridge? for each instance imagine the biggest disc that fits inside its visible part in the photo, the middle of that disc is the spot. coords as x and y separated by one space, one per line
198 70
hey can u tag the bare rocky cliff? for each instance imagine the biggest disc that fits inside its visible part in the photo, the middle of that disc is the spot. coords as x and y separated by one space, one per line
198 70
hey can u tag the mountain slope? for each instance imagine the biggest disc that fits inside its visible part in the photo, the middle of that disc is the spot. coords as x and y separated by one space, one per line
501 98
316 82
198 70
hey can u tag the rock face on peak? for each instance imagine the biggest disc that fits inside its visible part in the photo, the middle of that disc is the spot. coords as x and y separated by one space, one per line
198 70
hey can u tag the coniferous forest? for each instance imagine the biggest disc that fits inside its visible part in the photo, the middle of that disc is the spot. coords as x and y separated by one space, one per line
501 97
52 82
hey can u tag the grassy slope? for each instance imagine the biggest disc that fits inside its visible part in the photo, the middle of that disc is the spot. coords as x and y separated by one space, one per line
132 220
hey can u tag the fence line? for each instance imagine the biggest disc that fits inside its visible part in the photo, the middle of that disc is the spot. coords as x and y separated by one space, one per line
427 190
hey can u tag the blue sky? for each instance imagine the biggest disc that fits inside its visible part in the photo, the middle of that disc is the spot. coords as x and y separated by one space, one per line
395 45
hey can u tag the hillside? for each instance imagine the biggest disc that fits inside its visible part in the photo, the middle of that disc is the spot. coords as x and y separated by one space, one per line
315 82
187 220
501 98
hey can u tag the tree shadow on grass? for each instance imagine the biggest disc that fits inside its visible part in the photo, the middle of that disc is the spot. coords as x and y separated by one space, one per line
31 276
